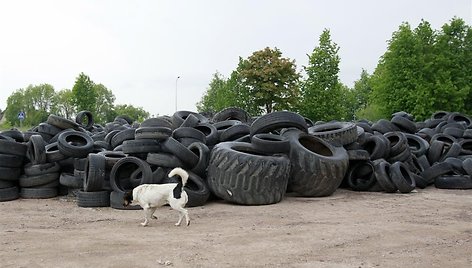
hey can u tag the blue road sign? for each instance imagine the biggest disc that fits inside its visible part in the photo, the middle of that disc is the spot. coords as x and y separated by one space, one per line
21 115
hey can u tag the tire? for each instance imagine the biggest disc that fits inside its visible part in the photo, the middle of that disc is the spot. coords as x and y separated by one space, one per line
38 180
383 126
454 131
79 119
382 174
458 117
467 166
71 181
234 132
164 160
232 113
453 182
278 120
197 191
37 150
12 147
53 154
8 194
179 117
240 174
466 146
188 158
404 124
188 132
75 144
361 182
402 177
94 173
359 154
418 146
157 122
398 142
141 146
7 184
435 151
116 202
11 161
156 133
15 134
377 147
203 153
190 121
123 169
33 170
436 170
38 193
271 143
317 167
210 131
111 157
93 199
48 129
9 174
120 137
338 133
61 122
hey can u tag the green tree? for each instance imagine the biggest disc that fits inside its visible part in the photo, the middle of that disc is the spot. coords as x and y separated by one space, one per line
267 81
135 113
104 104
84 95
64 104
34 101
322 96
219 95
423 70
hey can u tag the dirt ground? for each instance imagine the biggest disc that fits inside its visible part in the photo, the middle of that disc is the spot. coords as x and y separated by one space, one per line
429 228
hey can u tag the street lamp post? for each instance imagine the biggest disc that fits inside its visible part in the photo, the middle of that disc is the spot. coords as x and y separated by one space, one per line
176 80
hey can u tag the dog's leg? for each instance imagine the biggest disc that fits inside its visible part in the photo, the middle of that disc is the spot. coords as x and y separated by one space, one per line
147 216
152 214
182 212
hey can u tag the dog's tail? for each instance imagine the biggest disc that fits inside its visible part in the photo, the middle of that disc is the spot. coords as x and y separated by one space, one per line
181 172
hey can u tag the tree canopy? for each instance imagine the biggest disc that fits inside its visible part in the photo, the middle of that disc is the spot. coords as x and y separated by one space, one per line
424 70
323 96
39 101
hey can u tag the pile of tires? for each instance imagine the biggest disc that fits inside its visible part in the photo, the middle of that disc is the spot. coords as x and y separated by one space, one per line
401 154
233 156
12 155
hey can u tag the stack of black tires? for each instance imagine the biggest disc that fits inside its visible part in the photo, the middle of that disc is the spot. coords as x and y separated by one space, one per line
233 156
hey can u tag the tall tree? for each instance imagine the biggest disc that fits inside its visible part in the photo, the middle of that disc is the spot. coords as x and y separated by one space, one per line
64 104
423 70
321 91
219 95
268 81
85 97
104 104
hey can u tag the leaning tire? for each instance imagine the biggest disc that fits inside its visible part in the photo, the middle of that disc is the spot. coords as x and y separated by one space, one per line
240 174
278 120
318 167
339 133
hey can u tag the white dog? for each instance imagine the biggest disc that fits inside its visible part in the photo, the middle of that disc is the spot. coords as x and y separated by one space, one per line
152 196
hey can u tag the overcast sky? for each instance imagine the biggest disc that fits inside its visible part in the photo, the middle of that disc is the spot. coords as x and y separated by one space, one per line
137 49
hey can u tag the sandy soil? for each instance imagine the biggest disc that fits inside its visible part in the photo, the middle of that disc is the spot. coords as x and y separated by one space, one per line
429 228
